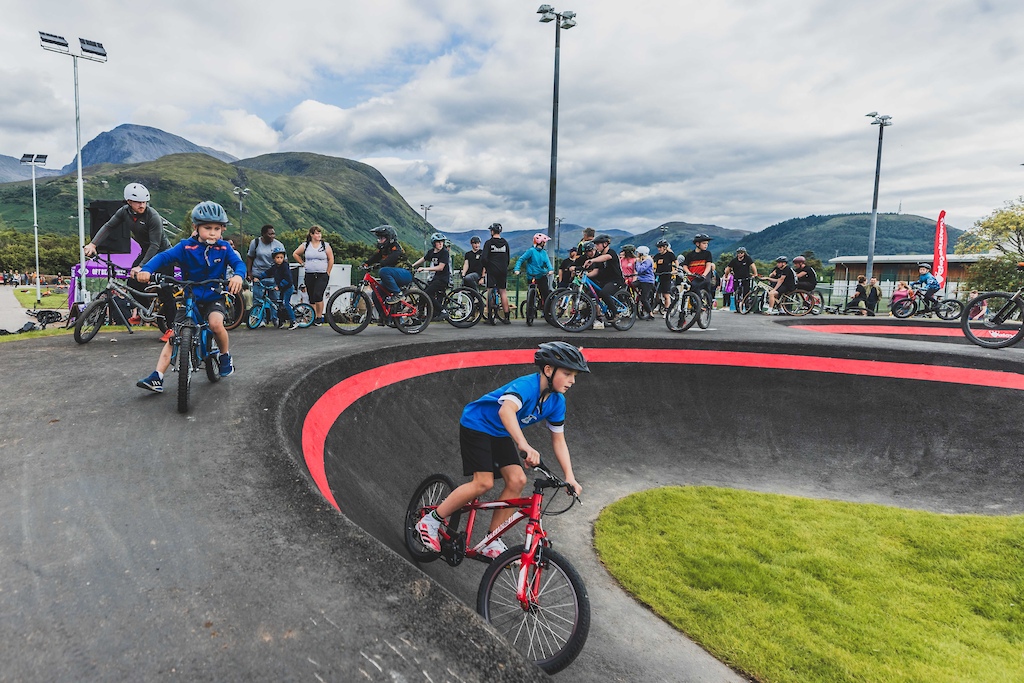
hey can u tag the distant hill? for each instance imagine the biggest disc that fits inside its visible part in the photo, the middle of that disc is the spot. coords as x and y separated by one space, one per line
845 233
680 236
131 144
11 170
343 196
521 240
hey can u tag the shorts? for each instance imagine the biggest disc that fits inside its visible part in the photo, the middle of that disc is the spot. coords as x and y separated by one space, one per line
316 285
485 453
497 280
805 286
664 283
786 289
205 309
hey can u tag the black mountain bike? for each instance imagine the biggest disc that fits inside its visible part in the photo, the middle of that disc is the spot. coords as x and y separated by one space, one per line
108 306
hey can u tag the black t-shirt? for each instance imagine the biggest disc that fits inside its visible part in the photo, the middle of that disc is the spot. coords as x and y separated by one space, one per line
741 268
697 262
475 261
388 255
788 278
563 269
807 277
496 255
609 271
436 258
664 263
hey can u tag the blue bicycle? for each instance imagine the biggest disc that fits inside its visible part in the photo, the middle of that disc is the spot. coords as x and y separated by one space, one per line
193 344
574 308
266 308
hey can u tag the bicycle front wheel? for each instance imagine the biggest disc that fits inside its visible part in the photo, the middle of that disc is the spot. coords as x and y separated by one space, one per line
993 320
303 315
255 318
463 307
185 354
795 303
212 361
414 312
348 310
552 629
949 309
704 318
428 496
531 307
91 320
572 310
683 311
746 304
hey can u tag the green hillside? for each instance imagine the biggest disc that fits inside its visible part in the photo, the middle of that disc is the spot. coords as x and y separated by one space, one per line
290 191
845 233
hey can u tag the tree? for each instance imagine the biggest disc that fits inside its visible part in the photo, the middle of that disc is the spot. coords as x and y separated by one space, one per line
1003 231
994 274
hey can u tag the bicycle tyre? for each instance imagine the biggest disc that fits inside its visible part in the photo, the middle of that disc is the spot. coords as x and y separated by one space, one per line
303 315
414 314
704 317
1001 325
746 304
904 309
255 317
430 492
212 361
553 631
530 314
184 367
682 312
626 314
91 320
573 311
949 309
349 310
795 304
817 303
463 307
234 311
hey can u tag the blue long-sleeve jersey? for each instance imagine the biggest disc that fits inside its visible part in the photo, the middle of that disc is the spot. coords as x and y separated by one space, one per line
200 262
536 260
929 282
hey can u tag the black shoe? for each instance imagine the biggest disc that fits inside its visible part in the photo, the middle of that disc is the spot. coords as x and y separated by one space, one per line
491 321
506 321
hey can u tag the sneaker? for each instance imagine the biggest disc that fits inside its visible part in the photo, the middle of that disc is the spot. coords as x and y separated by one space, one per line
505 321
494 548
598 325
167 335
317 322
293 326
491 321
427 529
226 366
393 299
134 320
152 383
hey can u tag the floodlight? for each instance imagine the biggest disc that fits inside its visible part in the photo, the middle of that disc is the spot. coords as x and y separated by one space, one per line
91 47
548 16
874 113
545 9
53 42
568 23
568 14
28 158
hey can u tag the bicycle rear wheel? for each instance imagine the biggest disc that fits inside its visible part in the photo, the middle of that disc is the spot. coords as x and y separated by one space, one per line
414 312
463 307
904 309
795 303
999 320
303 315
552 631
212 361
348 310
185 353
91 320
428 496
704 317
625 315
682 312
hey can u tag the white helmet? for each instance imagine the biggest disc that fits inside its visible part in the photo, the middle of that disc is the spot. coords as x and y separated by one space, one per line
643 251
136 192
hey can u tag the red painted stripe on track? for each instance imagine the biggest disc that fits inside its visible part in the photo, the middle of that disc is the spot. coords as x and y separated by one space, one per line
919 331
329 407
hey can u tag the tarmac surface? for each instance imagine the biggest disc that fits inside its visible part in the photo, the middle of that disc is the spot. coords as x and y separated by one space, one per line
137 543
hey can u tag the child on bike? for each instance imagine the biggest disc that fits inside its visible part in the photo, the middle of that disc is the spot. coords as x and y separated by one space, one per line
491 438
279 278
203 257
928 284
538 265
389 253
440 269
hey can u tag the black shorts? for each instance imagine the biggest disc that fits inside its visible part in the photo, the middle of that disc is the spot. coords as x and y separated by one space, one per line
205 309
786 289
805 286
316 285
485 453
664 283
499 280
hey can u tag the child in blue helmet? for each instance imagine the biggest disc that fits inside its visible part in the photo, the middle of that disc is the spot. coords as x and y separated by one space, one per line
204 256
279 278
928 284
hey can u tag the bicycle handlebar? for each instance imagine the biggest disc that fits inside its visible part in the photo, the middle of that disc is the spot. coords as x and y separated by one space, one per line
168 280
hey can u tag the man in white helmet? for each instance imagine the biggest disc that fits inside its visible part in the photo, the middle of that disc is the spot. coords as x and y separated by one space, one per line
145 226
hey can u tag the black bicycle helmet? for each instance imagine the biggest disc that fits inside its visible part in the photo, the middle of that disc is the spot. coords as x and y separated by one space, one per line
603 239
587 246
662 243
701 237
560 354
495 228
628 249
925 265
385 231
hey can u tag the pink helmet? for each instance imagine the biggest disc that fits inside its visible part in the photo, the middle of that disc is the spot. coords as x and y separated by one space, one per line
540 238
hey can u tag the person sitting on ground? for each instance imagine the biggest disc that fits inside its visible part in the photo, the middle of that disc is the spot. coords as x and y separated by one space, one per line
698 266
645 280
497 254
440 270
928 284
389 253
205 257
860 296
604 269
664 271
538 265
473 264
783 280
279 279
491 438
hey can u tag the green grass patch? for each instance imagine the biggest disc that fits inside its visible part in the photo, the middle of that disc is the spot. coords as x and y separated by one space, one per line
50 331
26 296
792 589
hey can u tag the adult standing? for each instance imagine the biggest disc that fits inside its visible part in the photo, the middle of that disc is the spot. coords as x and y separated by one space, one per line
318 258
567 269
497 254
260 256
146 227
742 268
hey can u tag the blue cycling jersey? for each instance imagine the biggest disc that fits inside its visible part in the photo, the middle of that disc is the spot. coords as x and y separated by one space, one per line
200 262
536 260
482 414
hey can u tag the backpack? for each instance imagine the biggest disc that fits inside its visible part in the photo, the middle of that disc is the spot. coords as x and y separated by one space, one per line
27 327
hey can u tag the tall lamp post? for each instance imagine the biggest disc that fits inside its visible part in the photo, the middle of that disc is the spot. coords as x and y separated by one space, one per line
558 236
242 193
880 120
426 235
562 20
94 52
35 160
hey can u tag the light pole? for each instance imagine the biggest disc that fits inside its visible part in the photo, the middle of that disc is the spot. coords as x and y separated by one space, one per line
94 52
35 160
880 120
558 236
242 193
426 235
562 20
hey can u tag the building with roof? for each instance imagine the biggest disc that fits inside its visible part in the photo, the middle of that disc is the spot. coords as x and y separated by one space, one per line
890 269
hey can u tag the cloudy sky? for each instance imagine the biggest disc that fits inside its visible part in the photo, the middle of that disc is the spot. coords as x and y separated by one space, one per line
740 113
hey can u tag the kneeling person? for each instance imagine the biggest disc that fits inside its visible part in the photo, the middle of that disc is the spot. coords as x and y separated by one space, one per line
202 257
